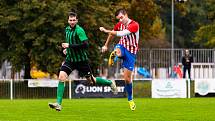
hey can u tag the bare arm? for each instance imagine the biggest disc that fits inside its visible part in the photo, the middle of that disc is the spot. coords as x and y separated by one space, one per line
110 32
110 37
105 47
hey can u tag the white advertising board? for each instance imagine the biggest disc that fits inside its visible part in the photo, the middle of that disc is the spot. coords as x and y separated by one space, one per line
42 83
169 88
204 86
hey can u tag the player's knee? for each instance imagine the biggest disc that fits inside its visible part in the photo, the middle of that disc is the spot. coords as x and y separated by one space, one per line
127 79
91 79
118 52
88 78
62 77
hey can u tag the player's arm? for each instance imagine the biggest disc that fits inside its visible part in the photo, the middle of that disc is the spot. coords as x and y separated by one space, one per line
83 38
110 32
105 47
117 33
64 52
110 36
82 45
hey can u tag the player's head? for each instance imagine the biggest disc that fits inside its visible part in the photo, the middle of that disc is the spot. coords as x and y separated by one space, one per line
72 18
122 15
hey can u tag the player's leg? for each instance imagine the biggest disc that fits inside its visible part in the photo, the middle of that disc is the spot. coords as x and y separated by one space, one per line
128 64
117 53
129 88
111 58
128 83
85 69
65 70
106 82
60 92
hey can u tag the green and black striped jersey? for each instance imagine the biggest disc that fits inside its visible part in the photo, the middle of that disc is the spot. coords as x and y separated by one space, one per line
76 35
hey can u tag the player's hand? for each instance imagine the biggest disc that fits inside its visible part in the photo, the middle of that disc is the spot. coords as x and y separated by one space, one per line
102 29
64 51
104 49
65 45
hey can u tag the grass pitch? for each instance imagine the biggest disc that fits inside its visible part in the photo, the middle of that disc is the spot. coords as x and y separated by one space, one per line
109 109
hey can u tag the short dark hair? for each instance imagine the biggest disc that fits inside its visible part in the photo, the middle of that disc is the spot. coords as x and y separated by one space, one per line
72 13
121 10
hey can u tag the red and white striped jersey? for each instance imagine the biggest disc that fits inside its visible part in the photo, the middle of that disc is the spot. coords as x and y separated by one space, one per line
130 41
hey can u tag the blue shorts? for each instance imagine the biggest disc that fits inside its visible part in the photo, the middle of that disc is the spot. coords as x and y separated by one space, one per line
127 57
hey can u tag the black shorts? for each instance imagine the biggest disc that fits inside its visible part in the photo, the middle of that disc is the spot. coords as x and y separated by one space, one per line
83 68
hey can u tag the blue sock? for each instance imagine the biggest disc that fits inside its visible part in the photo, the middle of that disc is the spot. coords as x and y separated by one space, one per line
129 91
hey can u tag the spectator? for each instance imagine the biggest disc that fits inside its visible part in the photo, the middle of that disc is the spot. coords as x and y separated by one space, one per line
187 59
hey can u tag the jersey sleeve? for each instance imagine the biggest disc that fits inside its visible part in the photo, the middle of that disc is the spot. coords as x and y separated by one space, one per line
133 27
82 35
116 27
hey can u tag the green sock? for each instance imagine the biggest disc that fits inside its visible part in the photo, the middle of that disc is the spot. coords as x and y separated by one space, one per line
101 81
60 91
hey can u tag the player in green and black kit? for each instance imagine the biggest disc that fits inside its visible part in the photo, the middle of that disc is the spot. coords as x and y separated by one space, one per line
75 49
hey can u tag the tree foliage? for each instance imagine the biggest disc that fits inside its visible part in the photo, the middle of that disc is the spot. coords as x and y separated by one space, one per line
205 35
32 31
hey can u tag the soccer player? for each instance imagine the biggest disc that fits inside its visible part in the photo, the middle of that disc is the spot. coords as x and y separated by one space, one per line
75 49
126 49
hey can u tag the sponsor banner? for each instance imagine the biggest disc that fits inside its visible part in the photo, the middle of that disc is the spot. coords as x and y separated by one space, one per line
204 86
42 83
169 88
84 90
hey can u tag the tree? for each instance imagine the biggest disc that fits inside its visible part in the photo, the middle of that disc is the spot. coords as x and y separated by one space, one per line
205 35
189 17
152 30
33 30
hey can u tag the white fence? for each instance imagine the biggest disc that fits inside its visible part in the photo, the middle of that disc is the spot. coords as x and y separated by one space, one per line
203 70
155 88
18 89
156 61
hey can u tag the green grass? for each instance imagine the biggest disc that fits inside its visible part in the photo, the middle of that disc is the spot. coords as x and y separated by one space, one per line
109 109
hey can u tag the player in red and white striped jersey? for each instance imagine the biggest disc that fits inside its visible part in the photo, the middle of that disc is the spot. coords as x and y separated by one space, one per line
129 35
126 49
